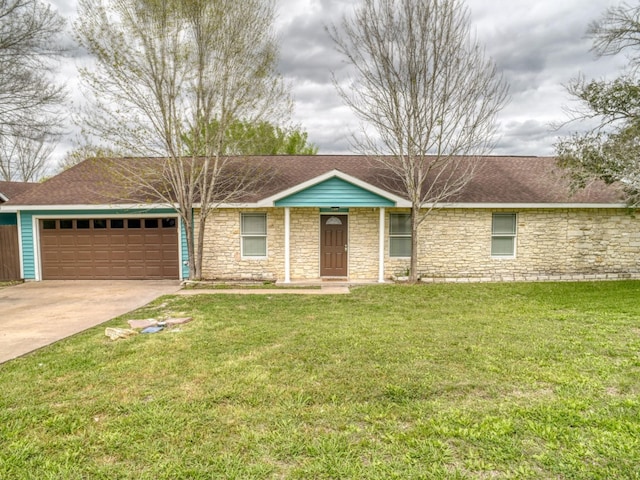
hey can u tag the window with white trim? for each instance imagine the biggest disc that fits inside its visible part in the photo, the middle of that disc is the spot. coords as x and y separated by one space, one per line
399 235
503 235
253 231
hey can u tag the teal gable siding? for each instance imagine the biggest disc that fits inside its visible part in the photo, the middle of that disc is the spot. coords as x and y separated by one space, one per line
28 236
8 219
334 192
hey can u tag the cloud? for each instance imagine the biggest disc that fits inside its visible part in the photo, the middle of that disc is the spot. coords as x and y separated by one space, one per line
539 46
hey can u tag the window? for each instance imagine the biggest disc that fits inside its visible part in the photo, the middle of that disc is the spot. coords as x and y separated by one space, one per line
66 224
82 224
117 223
399 235
133 223
254 234
150 223
99 223
48 224
503 235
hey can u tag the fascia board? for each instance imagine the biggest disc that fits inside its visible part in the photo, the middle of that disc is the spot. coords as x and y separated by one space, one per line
494 205
131 206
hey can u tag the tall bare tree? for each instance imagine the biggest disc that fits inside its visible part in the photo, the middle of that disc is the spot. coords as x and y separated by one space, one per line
427 94
166 69
30 100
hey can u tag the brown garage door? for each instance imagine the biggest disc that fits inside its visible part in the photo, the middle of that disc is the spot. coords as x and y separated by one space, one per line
104 248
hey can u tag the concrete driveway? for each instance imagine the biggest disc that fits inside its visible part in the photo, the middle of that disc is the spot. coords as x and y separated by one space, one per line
36 314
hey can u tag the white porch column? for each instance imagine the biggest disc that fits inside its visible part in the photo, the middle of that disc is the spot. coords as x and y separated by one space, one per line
287 245
381 252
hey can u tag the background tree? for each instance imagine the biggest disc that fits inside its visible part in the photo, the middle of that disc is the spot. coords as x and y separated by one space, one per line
610 151
261 138
30 114
427 94
82 152
24 158
166 69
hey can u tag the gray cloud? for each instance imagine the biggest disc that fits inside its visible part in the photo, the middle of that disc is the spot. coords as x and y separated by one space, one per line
539 46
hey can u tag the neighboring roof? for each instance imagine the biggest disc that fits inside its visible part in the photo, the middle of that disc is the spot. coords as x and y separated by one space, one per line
9 190
497 180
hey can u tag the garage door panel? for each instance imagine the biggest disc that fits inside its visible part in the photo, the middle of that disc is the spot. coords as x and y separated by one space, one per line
119 256
119 270
83 240
154 270
153 255
101 256
135 255
101 239
67 256
109 253
118 240
135 239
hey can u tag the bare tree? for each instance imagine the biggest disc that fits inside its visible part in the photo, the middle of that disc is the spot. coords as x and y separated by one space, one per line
29 98
617 30
164 72
426 89
23 158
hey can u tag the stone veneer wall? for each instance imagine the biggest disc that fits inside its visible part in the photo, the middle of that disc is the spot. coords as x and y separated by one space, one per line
222 252
455 245
305 243
551 244
363 243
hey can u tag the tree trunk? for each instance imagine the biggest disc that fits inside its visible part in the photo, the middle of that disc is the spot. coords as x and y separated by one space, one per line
200 246
413 270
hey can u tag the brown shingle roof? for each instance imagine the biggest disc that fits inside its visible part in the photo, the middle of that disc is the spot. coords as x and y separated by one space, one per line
510 180
13 189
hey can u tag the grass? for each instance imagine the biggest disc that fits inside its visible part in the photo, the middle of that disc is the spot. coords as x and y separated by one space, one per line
498 381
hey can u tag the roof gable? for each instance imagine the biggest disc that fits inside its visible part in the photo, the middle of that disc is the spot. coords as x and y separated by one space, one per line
9 190
333 189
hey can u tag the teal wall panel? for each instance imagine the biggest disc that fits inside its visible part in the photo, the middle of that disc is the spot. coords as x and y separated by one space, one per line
335 192
184 253
28 235
8 219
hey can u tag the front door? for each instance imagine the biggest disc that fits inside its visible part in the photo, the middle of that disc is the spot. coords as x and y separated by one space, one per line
333 248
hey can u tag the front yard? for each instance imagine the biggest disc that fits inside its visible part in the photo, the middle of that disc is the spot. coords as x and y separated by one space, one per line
439 382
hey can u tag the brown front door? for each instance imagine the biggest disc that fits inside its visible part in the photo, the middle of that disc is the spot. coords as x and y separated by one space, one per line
333 248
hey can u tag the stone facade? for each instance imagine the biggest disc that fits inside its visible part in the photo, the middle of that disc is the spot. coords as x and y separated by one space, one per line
551 244
222 250
454 245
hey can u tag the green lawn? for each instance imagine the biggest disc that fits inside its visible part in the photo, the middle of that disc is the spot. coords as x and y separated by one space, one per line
432 382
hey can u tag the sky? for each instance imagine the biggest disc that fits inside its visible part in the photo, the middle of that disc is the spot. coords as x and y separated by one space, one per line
539 46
